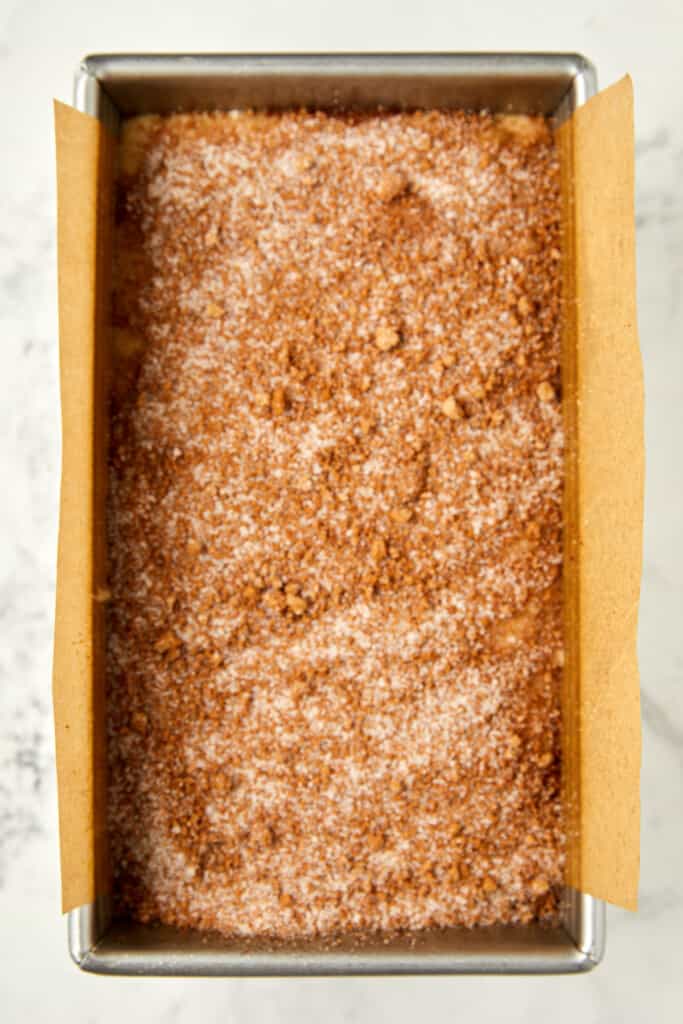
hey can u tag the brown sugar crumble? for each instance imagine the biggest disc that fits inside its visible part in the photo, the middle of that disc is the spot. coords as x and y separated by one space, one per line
334 519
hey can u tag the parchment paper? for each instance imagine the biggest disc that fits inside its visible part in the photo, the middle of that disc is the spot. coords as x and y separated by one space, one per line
84 193
603 405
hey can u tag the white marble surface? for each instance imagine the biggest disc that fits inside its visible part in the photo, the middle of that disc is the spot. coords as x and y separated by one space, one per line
40 44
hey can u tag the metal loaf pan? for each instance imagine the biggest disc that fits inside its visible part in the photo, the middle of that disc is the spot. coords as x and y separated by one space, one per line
111 87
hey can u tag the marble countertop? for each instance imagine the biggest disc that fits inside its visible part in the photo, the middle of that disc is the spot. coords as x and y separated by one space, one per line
40 45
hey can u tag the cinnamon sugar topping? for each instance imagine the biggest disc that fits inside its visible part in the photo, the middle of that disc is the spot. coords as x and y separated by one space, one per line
334 625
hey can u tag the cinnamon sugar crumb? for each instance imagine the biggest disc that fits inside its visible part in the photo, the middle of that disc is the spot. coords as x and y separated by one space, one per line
386 338
296 604
401 515
332 669
278 402
545 391
451 409
391 185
